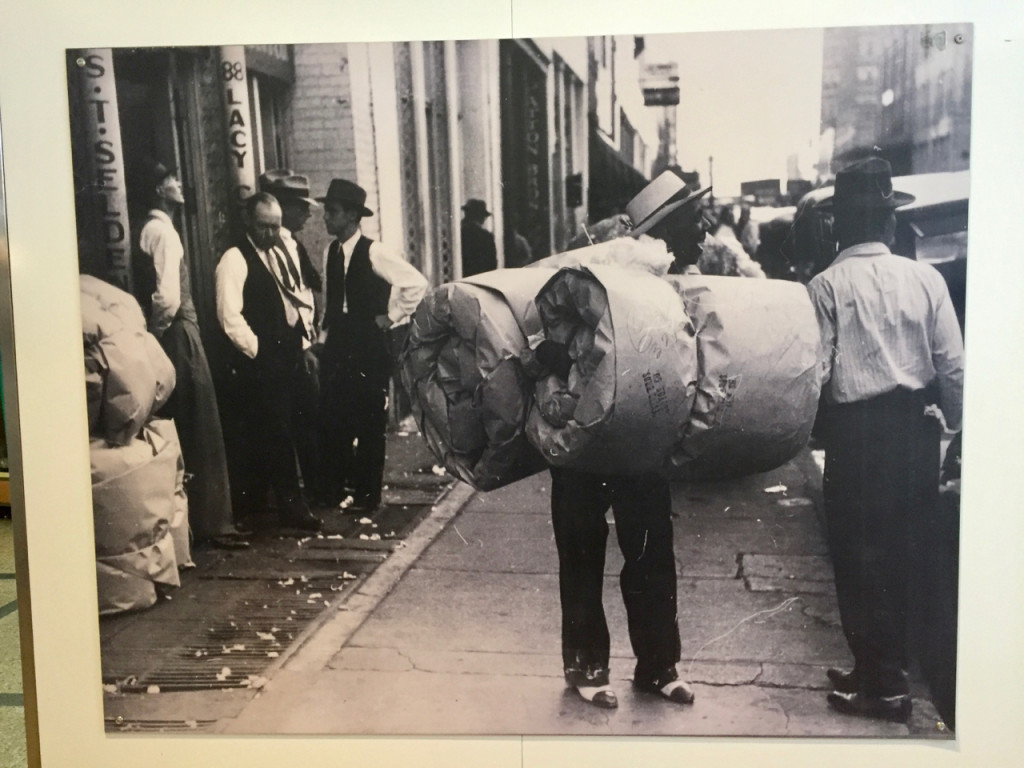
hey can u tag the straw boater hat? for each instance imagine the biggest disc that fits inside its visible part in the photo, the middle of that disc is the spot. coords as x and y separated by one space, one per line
865 185
348 193
284 184
663 196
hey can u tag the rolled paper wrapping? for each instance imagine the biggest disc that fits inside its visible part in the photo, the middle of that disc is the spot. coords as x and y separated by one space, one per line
757 394
633 377
461 367
128 375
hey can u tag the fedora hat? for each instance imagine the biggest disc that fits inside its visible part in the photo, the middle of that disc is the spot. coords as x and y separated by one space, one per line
348 193
475 207
865 185
666 194
284 184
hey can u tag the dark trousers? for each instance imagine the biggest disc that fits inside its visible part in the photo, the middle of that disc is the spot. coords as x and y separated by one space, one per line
193 406
642 509
353 397
262 449
881 481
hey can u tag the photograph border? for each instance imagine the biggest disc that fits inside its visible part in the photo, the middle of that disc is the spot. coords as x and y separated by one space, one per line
51 494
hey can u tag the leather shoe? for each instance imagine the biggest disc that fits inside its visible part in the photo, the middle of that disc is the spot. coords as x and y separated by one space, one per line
843 682
601 696
677 691
895 709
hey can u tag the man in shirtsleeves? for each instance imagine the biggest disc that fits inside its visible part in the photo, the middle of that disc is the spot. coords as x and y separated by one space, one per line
889 335
164 291
369 289
267 312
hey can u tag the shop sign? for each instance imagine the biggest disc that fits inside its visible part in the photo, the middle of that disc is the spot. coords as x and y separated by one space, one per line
106 181
240 134
272 60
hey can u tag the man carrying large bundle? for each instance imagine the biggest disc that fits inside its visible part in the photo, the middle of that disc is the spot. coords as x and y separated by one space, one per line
666 209
888 331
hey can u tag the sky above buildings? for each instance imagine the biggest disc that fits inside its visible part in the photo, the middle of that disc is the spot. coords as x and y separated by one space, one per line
750 100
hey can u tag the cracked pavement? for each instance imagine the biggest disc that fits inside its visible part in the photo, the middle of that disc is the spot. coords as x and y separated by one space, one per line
466 640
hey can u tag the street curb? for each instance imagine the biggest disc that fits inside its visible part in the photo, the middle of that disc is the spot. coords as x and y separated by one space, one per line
318 643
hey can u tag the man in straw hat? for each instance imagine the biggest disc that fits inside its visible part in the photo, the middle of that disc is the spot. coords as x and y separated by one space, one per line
369 289
888 332
642 505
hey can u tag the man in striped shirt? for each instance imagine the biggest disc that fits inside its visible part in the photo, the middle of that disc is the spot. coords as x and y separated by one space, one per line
890 343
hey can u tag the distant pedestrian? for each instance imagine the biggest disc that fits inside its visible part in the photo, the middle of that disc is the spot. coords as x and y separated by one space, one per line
517 250
642 506
889 333
370 288
164 289
479 253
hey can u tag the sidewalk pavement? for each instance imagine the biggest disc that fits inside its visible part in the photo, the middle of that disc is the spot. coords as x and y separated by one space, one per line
459 632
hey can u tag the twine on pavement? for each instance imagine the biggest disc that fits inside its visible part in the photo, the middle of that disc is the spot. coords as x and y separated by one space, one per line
767 614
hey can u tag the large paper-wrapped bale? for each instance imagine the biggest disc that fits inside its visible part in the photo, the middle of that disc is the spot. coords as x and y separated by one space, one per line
180 531
133 490
128 375
757 392
632 380
461 367
128 581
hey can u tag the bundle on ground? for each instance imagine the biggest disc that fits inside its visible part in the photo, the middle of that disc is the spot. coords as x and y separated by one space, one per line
133 491
461 367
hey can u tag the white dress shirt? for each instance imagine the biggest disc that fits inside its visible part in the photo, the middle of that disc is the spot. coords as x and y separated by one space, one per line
887 321
296 296
160 240
408 285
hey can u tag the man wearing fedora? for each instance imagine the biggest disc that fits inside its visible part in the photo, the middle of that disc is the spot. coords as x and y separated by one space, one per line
369 289
479 253
642 506
889 333
164 290
267 313
292 193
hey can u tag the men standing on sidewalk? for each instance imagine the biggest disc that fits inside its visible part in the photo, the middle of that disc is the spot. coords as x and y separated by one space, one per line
642 507
369 289
164 291
266 311
889 332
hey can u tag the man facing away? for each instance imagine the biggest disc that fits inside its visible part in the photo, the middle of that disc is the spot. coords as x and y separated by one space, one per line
369 289
889 332
479 253
266 312
165 294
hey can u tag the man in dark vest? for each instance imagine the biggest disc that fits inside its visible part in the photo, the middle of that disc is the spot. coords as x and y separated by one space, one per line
164 291
369 289
265 311
291 191
479 254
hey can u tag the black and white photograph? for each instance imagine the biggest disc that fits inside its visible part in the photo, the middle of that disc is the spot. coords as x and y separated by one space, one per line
605 385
